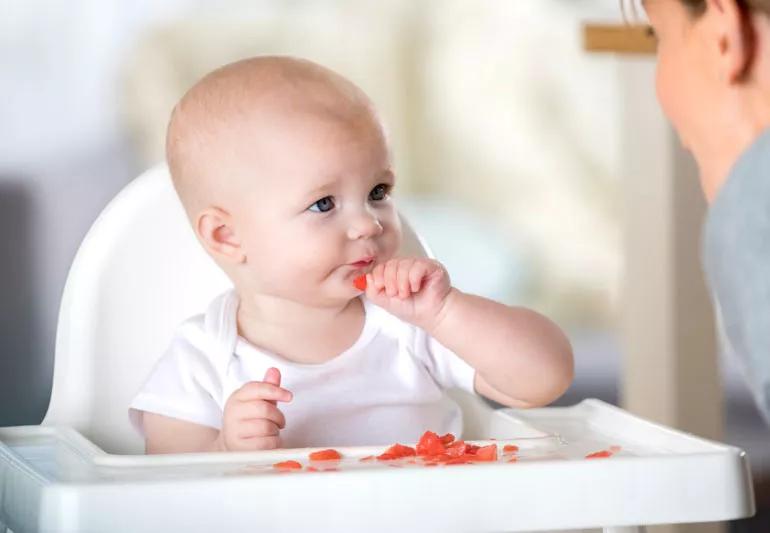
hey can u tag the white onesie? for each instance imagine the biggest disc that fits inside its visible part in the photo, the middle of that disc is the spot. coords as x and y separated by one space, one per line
386 388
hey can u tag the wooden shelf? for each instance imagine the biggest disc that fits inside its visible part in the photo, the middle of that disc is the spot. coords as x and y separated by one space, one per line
619 38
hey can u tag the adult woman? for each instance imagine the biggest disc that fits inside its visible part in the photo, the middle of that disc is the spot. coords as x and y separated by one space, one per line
713 82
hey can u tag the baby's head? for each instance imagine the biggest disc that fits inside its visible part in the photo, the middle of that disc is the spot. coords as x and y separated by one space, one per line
284 170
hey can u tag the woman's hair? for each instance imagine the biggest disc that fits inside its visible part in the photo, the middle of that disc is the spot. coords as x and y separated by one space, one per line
698 7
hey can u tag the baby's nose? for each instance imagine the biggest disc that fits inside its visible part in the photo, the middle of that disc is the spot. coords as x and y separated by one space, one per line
364 226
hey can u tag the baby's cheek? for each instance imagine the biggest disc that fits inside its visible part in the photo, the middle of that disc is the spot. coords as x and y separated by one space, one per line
392 238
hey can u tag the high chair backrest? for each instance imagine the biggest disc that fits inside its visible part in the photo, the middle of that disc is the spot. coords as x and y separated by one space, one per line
138 273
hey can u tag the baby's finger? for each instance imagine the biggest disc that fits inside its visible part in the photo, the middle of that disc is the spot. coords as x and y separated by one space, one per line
402 278
259 390
259 410
416 275
391 269
257 428
375 279
259 443
272 376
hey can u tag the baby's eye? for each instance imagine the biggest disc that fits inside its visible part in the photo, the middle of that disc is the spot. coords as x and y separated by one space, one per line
379 192
323 205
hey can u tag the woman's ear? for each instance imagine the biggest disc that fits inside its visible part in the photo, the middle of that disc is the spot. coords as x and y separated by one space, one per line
735 38
216 230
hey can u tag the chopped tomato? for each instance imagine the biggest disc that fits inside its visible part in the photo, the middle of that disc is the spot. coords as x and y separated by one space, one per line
599 455
456 449
440 458
447 439
510 448
360 283
288 465
326 455
487 453
399 450
471 449
462 460
430 444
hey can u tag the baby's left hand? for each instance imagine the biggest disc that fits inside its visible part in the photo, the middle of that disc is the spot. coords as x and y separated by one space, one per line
413 289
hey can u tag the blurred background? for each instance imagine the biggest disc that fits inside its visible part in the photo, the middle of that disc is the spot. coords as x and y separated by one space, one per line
511 146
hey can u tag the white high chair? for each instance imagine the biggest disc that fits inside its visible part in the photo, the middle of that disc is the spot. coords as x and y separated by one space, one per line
140 271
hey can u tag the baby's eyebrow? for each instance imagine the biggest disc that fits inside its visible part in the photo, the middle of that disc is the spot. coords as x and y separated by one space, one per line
321 190
386 174
326 188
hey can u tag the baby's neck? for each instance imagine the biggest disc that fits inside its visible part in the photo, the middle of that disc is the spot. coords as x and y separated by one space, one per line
299 333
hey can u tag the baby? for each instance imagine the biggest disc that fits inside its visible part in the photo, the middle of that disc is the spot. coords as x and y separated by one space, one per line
285 172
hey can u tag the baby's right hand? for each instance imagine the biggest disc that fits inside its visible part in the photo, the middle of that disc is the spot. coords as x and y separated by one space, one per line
251 419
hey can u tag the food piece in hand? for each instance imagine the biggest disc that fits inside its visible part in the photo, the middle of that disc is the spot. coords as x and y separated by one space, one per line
360 283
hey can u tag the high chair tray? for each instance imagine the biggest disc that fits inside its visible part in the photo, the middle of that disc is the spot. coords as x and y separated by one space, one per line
54 479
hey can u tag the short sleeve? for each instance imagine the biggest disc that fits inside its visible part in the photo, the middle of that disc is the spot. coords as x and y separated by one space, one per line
184 384
447 368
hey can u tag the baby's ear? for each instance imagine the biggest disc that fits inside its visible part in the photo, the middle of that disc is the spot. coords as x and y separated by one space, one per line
216 231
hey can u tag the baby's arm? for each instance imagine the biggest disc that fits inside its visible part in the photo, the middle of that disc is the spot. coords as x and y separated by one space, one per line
171 435
251 421
521 358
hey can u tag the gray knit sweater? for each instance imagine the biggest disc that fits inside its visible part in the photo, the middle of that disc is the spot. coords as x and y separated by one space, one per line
736 256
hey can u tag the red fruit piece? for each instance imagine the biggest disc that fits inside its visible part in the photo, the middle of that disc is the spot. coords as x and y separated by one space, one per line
288 465
360 283
435 459
510 448
447 439
387 457
472 449
456 449
430 444
399 450
325 455
487 453
599 455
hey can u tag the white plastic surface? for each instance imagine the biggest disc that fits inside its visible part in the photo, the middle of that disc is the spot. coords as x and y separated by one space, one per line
53 479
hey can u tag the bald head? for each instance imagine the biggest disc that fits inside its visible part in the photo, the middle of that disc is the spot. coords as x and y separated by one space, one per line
227 115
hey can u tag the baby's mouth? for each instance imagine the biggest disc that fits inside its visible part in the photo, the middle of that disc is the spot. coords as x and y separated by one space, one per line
363 263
